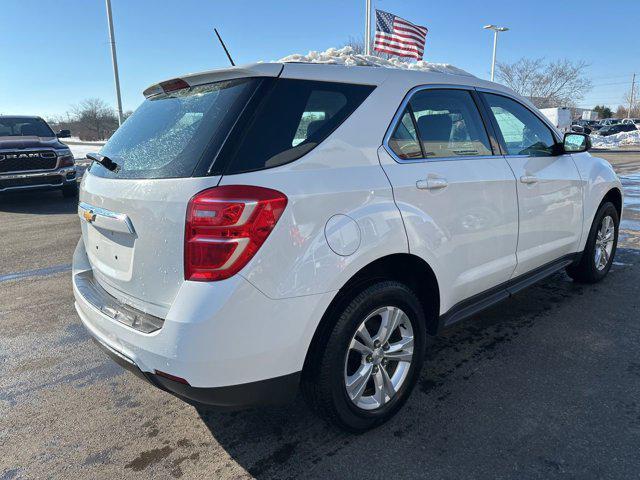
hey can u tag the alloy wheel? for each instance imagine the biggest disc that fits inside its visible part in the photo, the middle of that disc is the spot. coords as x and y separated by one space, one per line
604 243
378 358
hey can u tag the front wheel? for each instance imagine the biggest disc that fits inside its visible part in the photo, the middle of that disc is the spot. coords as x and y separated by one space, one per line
600 249
371 359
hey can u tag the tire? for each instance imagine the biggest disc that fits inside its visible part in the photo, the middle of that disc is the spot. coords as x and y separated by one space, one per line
334 363
586 270
70 191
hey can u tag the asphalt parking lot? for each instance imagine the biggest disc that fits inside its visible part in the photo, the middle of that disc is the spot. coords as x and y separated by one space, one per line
545 385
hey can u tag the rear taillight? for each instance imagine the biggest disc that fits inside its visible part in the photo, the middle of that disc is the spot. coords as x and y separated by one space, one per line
225 227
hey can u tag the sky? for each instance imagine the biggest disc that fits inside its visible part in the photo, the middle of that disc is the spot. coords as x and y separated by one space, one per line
55 53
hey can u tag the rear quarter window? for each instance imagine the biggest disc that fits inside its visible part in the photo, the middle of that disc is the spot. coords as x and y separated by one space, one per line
290 119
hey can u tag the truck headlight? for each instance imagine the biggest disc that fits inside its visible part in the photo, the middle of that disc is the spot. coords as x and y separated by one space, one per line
65 157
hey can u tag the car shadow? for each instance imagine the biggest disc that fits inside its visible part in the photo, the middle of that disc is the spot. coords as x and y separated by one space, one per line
37 203
291 442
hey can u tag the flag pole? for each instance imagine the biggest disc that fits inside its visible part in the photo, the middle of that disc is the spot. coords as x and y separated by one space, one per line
367 29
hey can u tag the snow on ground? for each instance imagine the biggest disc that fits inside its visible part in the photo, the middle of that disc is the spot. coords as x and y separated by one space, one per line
80 148
346 56
616 141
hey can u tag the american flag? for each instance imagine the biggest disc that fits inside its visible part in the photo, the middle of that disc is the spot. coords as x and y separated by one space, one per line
398 36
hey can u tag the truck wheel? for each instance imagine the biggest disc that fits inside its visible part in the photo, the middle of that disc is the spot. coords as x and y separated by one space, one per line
600 249
70 191
371 358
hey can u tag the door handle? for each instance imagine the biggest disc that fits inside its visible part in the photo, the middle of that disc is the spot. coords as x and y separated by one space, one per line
529 179
432 184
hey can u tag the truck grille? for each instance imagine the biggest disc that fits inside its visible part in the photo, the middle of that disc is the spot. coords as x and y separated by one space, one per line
30 182
25 161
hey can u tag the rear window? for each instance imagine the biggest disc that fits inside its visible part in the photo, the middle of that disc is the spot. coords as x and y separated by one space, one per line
228 127
291 119
169 134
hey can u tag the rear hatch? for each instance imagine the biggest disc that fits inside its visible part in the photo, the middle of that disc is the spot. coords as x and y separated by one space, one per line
133 217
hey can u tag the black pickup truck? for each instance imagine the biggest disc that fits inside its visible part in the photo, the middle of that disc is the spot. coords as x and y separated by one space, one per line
32 157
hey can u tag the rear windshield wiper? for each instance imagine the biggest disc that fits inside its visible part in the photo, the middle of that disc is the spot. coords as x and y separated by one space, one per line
105 161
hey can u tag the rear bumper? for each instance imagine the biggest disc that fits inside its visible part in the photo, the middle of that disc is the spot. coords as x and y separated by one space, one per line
49 180
234 346
274 391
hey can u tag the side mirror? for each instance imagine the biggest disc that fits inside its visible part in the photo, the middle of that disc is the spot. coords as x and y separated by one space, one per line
576 142
63 134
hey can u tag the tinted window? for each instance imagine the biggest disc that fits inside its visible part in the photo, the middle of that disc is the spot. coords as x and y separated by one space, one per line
23 127
449 124
404 140
291 119
523 132
169 133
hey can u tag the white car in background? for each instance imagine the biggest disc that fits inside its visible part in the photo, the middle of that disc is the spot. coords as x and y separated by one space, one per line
255 229
634 121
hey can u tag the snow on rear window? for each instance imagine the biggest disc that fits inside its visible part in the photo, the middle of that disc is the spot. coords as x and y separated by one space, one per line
168 134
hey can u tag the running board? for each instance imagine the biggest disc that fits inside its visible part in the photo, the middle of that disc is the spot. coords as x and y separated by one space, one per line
484 300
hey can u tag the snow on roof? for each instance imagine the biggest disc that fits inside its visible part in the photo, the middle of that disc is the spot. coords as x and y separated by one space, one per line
346 56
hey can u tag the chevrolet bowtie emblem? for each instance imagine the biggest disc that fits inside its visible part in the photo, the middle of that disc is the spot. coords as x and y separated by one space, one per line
89 216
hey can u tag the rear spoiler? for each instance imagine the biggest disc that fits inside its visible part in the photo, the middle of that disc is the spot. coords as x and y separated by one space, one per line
193 79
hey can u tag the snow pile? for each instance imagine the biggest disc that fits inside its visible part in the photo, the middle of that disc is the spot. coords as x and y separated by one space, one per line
346 56
615 141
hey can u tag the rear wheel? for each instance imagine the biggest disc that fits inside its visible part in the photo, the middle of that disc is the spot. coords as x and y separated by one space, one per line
70 190
371 359
601 247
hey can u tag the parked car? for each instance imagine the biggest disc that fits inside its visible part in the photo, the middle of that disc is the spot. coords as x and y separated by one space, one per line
32 157
583 126
257 229
609 121
618 128
635 121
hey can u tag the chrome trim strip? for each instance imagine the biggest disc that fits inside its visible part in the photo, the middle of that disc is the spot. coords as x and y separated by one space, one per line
35 149
398 115
34 187
119 218
37 173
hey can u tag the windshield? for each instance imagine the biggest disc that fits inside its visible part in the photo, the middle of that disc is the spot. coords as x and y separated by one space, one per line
23 127
169 134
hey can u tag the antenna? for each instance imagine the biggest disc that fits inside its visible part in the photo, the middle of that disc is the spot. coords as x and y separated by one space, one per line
225 47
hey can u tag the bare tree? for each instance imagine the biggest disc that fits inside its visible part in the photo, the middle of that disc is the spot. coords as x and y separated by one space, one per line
91 119
621 112
357 43
559 83
96 119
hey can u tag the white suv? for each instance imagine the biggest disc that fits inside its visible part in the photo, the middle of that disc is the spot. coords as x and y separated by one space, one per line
252 230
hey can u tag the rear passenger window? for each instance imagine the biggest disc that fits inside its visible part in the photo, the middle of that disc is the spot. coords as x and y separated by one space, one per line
291 119
404 140
449 124
523 132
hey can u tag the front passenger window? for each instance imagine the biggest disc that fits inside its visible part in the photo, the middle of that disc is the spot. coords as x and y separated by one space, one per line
523 132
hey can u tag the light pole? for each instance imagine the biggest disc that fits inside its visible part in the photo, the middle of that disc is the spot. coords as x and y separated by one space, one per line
114 58
495 29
